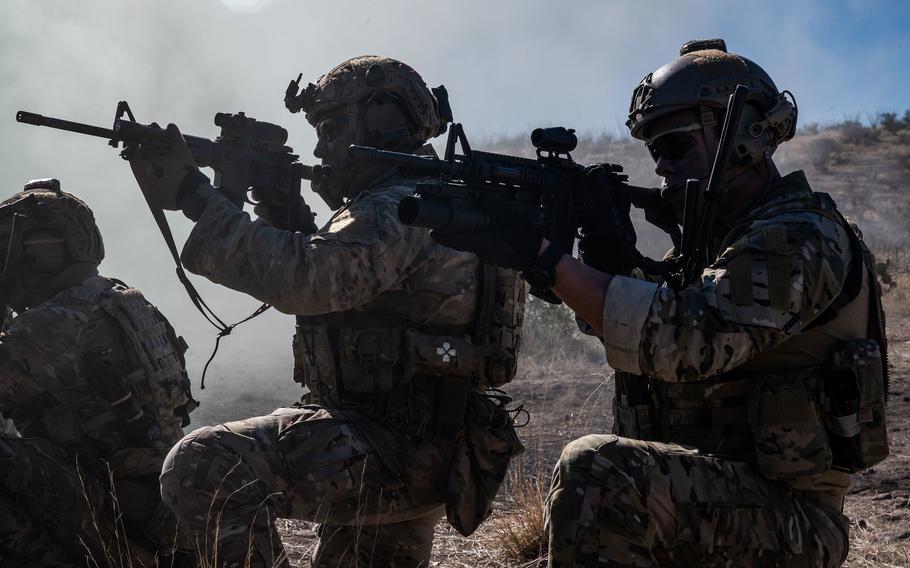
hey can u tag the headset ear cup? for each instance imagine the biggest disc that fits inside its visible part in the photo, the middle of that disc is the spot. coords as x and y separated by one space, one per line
45 259
397 134
790 100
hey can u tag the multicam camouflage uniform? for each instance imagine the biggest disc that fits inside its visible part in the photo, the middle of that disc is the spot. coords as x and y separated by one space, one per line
721 455
393 357
78 394
93 378
746 398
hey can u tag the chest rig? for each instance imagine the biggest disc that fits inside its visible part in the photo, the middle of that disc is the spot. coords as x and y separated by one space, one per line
413 373
139 398
791 423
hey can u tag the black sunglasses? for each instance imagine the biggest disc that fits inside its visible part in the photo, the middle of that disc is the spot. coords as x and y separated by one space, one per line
671 146
329 128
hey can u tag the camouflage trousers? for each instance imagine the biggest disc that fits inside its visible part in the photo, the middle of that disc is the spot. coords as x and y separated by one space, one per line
622 502
55 511
376 494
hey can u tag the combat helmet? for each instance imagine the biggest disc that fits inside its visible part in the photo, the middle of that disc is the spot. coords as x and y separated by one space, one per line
702 78
348 89
348 83
43 205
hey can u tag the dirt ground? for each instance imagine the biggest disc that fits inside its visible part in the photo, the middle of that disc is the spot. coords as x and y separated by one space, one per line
563 408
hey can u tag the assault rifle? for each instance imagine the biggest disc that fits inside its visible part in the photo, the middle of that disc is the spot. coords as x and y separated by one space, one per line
549 191
248 153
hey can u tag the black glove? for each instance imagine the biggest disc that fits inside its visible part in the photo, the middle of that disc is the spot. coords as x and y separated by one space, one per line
273 208
608 235
509 241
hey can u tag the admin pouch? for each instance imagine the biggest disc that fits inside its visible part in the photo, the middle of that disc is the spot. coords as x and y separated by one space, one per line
481 461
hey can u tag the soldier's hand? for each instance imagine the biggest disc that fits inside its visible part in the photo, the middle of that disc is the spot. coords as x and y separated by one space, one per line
275 210
608 235
509 241
165 171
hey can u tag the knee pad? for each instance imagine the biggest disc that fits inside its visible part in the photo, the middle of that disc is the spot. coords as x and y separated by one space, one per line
183 481
578 454
204 469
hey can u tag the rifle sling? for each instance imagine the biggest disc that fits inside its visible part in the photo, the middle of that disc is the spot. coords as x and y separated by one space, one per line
195 297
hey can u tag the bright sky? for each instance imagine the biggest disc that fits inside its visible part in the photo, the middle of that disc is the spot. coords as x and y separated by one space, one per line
509 66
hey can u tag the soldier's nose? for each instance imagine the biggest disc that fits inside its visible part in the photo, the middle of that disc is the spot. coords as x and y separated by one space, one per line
319 150
664 167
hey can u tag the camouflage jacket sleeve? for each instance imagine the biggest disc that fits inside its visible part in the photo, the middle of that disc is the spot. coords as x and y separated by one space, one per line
40 349
362 252
765 287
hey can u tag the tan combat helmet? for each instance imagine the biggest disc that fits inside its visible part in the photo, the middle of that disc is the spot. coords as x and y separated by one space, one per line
703 77
43 208
355 79
347 89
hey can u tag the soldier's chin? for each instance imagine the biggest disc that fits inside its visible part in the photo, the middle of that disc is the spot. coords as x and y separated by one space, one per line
330 193
672 192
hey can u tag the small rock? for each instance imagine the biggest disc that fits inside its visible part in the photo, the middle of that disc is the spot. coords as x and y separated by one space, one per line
883 496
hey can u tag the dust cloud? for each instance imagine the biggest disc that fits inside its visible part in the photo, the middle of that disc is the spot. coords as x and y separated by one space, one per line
509 67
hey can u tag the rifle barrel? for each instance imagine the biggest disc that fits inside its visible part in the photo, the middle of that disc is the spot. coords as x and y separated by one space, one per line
411 163
60 124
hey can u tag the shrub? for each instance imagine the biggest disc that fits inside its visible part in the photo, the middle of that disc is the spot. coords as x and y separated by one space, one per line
854 132
889 121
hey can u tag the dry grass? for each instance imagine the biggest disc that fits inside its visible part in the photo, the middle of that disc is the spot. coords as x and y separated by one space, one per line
109 549
107 545
110 543
879 532
519 534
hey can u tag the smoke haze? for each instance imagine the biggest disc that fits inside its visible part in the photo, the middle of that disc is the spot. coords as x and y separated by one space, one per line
509 67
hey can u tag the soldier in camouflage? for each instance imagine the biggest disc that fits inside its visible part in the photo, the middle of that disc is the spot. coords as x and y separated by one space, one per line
744 398
93 378
397 338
